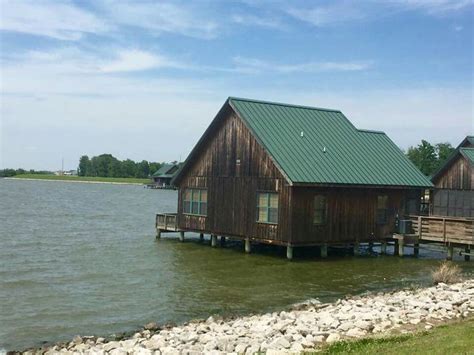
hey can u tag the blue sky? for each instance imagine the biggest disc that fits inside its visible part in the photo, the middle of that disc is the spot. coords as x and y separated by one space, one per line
142 80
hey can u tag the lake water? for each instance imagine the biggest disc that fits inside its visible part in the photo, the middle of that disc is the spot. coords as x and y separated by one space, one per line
82 259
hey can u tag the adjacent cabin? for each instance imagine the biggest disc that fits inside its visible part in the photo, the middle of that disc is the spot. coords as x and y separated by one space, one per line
295 176
454 183
162 177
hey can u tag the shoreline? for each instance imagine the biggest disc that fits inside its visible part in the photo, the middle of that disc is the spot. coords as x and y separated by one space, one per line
77 181
306 326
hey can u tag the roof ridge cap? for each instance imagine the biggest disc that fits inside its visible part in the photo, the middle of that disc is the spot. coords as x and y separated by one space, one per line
370 131
283 104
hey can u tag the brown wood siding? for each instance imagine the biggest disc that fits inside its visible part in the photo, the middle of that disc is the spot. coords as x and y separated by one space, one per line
233 167
459 176
351 214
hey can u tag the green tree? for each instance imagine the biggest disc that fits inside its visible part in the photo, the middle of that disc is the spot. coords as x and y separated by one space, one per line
154 167
443 151
143 169
129 168
424 157
84 168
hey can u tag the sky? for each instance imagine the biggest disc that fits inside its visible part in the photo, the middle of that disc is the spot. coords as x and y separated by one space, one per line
143 79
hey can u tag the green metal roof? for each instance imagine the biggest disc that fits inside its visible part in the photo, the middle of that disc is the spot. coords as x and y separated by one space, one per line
321 146
468 153
163 171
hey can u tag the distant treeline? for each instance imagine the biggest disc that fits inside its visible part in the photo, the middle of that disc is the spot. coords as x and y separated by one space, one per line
13 172
106 165
428 157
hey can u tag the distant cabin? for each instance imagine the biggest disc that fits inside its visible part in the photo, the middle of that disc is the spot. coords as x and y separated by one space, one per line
162 177
454 183
294 175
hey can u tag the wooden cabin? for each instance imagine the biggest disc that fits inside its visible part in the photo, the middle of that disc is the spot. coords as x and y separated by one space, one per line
294 176
454 183
162 177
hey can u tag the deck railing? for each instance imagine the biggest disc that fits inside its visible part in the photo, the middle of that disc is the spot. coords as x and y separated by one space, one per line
167 221
449 230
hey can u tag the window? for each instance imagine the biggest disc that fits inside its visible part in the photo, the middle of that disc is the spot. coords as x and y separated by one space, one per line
267 207
382 209
195 202
320 210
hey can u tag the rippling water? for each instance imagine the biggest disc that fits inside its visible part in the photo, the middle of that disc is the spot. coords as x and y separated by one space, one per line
82 259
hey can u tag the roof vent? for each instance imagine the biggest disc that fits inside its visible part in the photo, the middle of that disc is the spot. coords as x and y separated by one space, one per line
302 134
324 150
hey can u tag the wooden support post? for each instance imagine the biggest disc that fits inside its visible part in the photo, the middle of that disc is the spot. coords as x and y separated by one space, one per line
416 249
201 237
222 240
401 244
356 249
289 252
450 252
467 257
213 240
158 233
383 247
395 247
248 247
181 236
324 250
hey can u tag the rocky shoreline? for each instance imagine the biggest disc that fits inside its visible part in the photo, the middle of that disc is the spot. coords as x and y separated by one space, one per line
304 327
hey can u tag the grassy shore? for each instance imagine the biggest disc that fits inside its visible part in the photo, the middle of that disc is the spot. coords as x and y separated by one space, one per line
82 178
454 338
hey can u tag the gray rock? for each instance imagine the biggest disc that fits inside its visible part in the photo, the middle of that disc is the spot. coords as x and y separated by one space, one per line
356 333
151 326
333 337
111 346
241 347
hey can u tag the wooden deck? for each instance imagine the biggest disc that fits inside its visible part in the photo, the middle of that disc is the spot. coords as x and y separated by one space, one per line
167 222
446 230
449 231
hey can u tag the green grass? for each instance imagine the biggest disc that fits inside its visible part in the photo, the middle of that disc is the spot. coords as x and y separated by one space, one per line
454 338
82 178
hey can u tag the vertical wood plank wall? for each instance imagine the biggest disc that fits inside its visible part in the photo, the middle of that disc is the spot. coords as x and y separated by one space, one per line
460 175
234 167
351 214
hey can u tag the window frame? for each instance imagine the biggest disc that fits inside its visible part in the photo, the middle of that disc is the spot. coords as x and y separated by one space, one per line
379 210
324 210
199 201
268 207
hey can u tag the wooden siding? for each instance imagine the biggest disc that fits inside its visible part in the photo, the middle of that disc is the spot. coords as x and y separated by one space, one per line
351 214
233 167
459 175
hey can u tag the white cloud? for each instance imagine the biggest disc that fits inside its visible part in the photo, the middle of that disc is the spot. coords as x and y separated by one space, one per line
252 65
64 20
73 61
258 21
328 15
56 19
157 17
135 60
434 6
458 28
343 11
